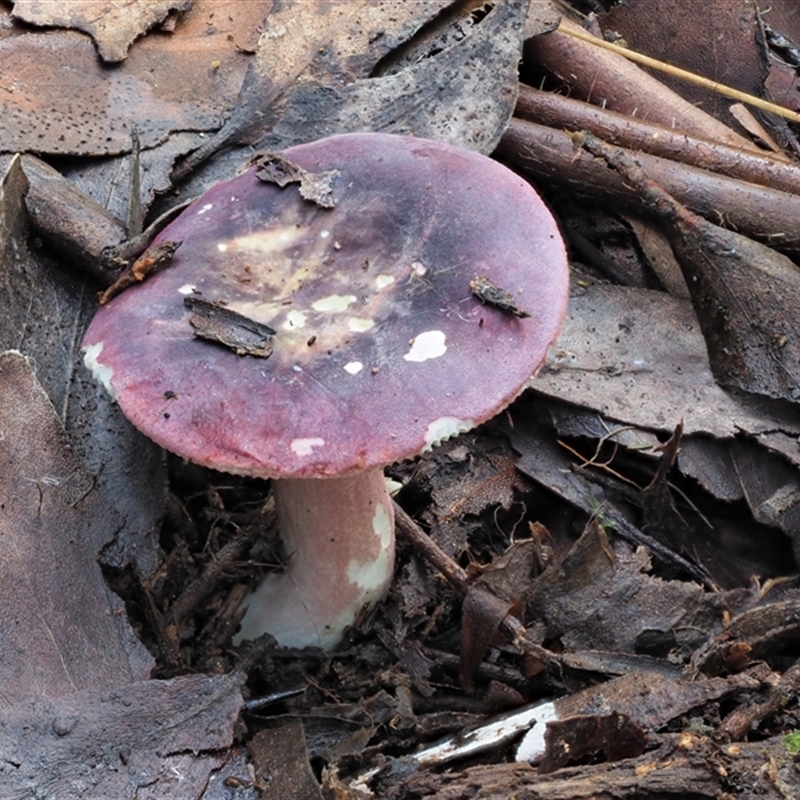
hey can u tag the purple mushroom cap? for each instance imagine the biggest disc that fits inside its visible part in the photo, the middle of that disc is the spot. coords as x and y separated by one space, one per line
381 348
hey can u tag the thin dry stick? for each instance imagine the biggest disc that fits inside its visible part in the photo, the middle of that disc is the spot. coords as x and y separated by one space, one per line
683 74
458 578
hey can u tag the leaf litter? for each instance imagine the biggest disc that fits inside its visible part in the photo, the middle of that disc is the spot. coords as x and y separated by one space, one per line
612 556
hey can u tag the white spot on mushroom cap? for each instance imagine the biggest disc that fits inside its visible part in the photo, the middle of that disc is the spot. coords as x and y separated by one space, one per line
101 372
425 345
370 576
324 234
187 288
445 428
333 302
206 207
360 325
270 240
354 367
222 247
382 281
304 447
295 319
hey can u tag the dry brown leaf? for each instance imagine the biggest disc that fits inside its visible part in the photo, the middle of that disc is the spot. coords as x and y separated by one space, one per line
601 598
720 43
63 629
114 25
463 92
638 356
45 310
183 82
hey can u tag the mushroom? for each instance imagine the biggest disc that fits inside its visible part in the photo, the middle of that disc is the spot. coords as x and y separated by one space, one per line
383 346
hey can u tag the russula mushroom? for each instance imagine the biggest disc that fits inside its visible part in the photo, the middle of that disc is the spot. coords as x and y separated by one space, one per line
381 346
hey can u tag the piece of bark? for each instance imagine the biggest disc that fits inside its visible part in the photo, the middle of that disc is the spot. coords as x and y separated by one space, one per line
281 761
551 156
685 760
75 226
556 111
610 80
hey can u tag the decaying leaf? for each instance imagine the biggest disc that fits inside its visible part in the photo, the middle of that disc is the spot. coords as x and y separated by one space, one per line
45 310
746 296
637 356
165 84
601 598
63 629
155 739
114 26
463 94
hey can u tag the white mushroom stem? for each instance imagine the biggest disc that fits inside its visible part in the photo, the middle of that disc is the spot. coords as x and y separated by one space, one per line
338 535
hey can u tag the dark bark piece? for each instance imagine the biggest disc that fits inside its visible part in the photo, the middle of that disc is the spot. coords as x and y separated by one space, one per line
615 736
63 629
159 739
246 337
45 311
493 295
685 768
281 761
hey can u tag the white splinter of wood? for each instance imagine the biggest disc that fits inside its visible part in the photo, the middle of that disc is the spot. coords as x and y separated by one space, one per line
338 535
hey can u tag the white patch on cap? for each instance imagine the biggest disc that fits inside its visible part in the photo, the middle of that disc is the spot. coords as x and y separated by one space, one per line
206 207
532 746
370 576
324 234
360 325
100 372
382 281
187 288
333 302
354 367
222 247
303 447
269 240
294 319
419 268
425 345
444 428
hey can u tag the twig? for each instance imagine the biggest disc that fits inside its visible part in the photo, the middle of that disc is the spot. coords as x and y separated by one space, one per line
458 578
683 74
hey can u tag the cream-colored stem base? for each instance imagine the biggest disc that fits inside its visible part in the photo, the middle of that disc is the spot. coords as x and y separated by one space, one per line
338 535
